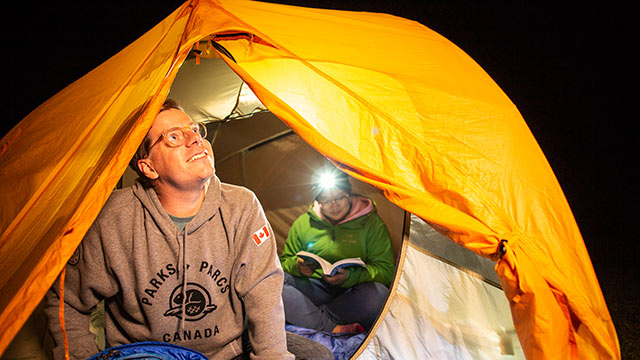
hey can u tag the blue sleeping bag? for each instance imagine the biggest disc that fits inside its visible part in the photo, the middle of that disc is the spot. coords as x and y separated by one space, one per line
148 350
342 345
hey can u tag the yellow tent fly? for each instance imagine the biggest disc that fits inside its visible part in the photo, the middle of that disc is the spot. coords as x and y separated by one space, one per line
418 120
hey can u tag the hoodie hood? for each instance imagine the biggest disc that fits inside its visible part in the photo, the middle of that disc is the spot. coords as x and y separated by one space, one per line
360 206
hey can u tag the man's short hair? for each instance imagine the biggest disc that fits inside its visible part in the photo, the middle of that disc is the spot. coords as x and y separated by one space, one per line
143 149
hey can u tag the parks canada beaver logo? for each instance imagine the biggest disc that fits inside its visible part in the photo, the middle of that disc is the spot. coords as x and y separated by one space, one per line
197 303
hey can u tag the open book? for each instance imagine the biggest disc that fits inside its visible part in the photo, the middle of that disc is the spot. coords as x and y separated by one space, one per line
327 267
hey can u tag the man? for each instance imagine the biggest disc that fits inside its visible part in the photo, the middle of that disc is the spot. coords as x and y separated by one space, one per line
179 258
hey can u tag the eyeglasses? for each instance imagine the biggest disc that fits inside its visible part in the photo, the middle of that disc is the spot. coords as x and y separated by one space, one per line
175 137
340 199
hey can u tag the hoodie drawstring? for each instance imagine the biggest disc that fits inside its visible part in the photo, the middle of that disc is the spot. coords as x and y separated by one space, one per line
226 234
65 339
182 259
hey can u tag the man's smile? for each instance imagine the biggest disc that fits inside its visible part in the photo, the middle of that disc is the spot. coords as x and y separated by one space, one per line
199 155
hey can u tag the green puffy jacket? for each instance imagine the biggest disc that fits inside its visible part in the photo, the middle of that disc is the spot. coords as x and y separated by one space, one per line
366 237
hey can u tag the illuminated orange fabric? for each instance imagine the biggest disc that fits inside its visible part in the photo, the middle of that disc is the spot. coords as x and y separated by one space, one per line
394 103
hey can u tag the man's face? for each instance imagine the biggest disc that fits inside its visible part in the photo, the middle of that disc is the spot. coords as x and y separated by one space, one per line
182 167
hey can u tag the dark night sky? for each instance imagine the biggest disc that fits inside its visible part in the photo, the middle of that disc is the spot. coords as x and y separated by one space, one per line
565 68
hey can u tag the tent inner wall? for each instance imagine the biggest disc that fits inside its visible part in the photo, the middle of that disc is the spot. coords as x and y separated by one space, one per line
436 245
441 309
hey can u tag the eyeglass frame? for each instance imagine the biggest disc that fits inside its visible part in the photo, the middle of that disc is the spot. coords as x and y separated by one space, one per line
202 132
333 201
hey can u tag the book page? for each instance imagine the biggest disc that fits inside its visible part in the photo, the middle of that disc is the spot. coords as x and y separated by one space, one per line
327 267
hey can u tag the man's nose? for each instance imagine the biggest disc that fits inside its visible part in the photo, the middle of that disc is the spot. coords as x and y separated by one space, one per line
194 139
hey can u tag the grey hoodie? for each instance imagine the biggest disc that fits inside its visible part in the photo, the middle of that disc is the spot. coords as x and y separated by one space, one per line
224 264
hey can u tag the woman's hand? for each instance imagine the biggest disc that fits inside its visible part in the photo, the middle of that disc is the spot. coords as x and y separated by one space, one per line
305 268
338 278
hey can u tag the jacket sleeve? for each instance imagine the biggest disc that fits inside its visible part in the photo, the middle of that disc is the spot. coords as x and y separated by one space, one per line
378 255
258 282
86 283
289 259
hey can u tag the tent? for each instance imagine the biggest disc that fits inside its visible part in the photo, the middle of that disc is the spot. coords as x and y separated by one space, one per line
484 224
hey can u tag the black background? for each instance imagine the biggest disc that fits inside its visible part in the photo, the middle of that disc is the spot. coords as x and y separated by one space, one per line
568 69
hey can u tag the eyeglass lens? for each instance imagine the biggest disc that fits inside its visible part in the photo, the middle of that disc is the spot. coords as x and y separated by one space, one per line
177 137
331 201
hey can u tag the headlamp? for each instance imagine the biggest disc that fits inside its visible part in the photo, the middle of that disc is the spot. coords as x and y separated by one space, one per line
329 178
327 181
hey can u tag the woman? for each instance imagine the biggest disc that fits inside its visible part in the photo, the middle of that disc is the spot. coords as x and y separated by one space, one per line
337 225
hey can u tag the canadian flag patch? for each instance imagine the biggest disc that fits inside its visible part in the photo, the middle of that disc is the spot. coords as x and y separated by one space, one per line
261 235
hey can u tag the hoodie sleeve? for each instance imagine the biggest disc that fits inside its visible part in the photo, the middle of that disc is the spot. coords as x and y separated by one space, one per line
258 281
289 259
86 283
378 255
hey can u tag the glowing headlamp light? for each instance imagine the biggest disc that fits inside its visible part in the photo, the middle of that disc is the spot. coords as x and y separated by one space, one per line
327 181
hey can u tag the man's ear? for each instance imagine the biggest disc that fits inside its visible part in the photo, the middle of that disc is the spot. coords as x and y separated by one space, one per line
146 167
